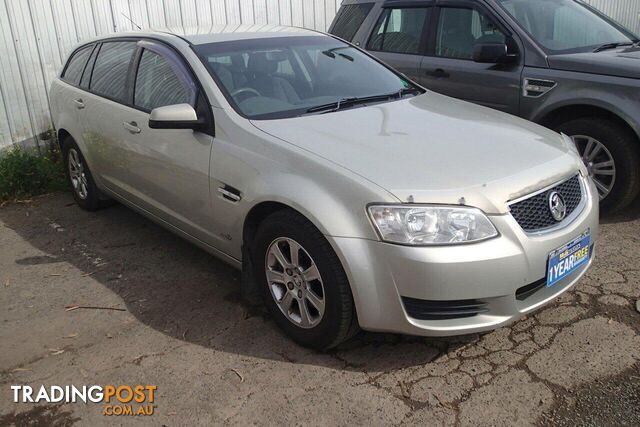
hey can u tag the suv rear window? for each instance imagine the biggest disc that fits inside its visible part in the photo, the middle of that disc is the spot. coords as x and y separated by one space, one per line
349 19
110 70
76 64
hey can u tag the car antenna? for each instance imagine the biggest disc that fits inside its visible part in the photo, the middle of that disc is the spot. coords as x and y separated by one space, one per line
131 20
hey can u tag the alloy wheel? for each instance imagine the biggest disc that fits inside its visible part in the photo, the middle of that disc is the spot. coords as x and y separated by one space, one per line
599 162
295 282
77 174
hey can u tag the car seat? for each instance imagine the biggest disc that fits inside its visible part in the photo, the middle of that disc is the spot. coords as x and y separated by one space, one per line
261 78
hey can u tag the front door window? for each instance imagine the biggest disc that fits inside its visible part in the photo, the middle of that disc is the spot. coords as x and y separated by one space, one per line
460 29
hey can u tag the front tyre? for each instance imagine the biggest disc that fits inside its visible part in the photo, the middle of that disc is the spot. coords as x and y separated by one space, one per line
84 189
612 156
303 282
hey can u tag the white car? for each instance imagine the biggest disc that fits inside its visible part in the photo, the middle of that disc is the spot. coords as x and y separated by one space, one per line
348 194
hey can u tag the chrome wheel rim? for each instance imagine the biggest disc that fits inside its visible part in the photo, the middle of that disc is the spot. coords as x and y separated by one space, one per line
77 174
295 282
599 162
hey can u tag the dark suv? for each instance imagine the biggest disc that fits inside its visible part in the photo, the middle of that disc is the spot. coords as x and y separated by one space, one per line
559 63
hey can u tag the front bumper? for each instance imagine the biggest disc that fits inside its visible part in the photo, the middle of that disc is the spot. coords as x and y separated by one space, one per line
489 273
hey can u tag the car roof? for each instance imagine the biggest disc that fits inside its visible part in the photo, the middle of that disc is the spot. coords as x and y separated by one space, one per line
220 33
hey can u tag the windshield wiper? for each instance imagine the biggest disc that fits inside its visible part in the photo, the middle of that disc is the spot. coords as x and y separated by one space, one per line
608 46
347 102
331 53
408 91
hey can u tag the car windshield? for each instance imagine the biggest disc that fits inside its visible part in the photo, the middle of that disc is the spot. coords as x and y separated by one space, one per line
280 77
565 26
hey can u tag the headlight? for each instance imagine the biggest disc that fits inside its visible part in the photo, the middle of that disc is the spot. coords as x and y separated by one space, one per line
430 225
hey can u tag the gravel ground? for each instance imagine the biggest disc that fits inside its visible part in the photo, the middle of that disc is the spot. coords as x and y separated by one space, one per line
181 326
609 402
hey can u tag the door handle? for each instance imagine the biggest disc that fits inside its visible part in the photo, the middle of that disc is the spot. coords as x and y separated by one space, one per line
438 73
229 193
79 103
131 127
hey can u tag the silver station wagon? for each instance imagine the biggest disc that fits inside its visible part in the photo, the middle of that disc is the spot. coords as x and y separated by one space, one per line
348 195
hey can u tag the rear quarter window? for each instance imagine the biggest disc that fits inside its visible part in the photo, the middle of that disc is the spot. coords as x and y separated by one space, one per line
76 64
86 76
349 19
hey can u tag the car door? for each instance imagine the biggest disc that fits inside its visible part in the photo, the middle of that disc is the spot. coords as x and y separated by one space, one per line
71 99
400 34
449 68
168 168
103 110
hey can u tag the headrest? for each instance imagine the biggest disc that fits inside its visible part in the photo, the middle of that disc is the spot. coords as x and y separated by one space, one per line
237 63
260 64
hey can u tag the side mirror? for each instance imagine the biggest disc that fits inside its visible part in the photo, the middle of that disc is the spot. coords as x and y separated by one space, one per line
492 53
178 116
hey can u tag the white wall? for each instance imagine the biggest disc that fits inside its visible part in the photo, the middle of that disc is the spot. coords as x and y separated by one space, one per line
37 35
626 12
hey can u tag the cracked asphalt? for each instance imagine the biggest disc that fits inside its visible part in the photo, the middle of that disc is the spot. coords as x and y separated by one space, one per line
183 328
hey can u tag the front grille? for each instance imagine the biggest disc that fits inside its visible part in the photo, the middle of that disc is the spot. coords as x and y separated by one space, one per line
533 214
442 310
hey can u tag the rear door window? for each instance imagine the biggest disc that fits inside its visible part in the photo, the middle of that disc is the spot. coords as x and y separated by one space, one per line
110 71
399 30
73 72
349 19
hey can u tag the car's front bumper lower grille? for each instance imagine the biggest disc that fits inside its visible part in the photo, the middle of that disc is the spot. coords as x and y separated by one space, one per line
533 213
443 310
527 291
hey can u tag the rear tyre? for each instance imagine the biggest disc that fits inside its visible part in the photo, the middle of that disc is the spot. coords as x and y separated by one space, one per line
83 187
304 285
612 156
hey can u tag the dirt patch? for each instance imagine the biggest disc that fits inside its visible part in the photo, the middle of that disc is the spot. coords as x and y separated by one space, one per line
40 416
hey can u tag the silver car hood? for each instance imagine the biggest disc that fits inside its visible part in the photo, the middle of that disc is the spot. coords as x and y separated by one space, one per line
435 149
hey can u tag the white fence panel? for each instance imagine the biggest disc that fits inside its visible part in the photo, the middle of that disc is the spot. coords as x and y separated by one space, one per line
219 12
103 16
139 14
627 12
285 11
156 14
27 59
204 13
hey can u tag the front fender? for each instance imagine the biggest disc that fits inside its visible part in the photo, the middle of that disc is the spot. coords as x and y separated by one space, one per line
613 94
332 211
606 102
265 169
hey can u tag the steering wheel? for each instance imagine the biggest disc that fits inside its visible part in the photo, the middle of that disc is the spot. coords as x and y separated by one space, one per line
246 90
